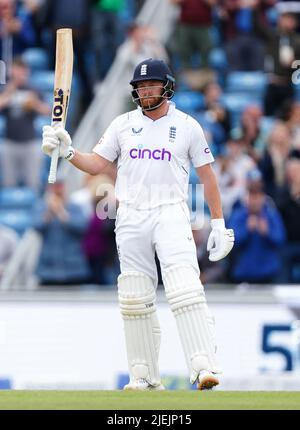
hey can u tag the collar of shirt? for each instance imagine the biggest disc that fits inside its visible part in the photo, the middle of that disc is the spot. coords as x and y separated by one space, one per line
171 110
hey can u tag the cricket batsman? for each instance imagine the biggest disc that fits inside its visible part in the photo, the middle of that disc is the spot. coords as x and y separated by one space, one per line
154 146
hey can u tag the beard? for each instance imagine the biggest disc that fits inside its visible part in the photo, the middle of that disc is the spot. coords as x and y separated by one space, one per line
151 102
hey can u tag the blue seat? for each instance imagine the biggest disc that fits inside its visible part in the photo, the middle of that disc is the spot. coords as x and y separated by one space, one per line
18 220
17 198
35 58
2 125
217 59
237 103
39 122
251 82
188 101
43 80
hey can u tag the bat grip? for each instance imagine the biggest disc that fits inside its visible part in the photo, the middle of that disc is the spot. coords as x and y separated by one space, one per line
53 166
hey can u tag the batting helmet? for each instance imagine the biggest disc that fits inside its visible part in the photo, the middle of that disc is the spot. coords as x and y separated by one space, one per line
153 70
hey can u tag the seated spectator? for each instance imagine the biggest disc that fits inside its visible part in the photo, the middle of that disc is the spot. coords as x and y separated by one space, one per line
107 33
282 48
245 51
254 137
272 163
289 207
216 114
231 167
259 236
62 226
193 31
291 118
8 244
99 239
20 104
16 30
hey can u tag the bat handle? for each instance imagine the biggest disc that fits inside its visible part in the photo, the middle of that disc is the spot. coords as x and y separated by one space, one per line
53 166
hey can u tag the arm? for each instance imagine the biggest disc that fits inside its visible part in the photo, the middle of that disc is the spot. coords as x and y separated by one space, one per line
211 190
89 163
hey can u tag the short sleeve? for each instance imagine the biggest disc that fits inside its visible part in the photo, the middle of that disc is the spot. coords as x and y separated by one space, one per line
199 151
108 146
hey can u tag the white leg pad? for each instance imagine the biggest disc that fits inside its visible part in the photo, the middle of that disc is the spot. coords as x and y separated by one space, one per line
186 296
142 330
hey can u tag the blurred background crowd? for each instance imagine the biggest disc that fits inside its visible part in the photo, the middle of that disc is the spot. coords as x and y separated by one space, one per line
236 68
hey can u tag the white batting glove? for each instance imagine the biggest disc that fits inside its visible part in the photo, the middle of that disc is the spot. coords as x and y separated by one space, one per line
57 136
220 241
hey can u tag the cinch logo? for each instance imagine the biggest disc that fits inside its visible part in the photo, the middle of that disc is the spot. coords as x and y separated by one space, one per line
207 150
144 69
157 154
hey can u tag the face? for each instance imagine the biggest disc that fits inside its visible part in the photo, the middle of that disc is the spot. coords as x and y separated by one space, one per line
150 93
256 200
7 8
19 74
287 23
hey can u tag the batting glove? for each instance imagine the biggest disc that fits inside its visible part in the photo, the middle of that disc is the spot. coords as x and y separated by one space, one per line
220 241
57 136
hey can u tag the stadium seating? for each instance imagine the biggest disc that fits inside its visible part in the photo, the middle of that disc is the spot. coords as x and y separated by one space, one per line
43 80
17 198
218 60
2 125
36 59
188 101
237 102
246 82
18 220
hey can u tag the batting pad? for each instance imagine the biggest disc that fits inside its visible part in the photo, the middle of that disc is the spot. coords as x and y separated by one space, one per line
142 330
186 297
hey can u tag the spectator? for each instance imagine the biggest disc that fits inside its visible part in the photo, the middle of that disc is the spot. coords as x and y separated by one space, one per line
292 121
245 51
107 33
259 233
272 164
282 48
193 32
231 168
73 14
20 104
253 135
8 244
289 206
141 43
62 226
98 243
16 30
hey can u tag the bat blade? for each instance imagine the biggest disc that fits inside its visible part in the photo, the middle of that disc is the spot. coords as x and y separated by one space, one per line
62 88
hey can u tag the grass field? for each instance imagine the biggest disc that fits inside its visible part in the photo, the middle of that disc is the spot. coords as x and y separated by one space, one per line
172 400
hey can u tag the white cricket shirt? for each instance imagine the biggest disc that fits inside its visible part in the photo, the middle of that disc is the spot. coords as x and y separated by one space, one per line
154 156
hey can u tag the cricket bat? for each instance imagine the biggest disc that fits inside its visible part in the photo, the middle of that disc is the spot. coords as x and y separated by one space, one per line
62 87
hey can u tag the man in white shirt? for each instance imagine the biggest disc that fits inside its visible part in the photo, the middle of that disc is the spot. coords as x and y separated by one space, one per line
154 146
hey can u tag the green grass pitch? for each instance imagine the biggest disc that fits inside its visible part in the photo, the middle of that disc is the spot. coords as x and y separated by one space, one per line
167 400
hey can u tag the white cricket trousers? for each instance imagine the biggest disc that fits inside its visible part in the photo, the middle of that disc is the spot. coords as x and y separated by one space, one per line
165 229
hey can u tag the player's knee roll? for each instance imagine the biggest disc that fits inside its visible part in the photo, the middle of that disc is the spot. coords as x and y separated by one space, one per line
136 294
183 287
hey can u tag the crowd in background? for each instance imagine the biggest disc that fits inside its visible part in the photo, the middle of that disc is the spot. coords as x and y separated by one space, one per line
258 167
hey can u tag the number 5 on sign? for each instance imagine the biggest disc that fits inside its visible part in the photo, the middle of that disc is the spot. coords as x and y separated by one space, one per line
62 87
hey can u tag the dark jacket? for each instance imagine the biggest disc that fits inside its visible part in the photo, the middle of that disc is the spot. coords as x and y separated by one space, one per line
62 258
256 257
